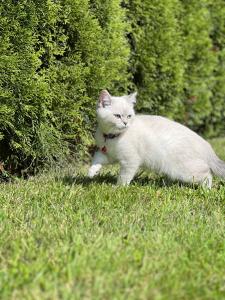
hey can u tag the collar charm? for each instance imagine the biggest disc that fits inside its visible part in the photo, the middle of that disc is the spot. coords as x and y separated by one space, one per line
104 149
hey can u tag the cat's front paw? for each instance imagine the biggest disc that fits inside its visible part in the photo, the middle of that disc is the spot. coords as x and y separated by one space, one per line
94 170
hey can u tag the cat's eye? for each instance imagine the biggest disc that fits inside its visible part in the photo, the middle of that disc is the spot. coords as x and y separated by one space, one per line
117 115
129 116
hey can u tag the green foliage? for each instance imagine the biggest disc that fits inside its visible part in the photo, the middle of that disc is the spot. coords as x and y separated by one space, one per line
200 63
158 64
89 64
55 57
177 64
216 120
25 125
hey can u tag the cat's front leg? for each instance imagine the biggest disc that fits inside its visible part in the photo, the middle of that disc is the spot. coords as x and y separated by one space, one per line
127 172
98 160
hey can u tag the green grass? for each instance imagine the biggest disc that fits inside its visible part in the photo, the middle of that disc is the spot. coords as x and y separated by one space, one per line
65 237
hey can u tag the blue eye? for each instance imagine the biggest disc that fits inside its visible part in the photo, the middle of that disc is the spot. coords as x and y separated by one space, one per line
129 116
117 116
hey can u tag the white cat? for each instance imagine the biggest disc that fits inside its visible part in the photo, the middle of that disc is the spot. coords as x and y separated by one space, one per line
154 142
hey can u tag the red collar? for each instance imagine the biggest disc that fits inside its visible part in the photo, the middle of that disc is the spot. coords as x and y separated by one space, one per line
106 137
110 136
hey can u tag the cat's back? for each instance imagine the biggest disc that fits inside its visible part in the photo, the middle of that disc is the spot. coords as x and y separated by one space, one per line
165 144
152 125
155 125
156 121
163 131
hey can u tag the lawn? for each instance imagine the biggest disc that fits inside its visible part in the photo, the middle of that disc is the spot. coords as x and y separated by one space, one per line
66 237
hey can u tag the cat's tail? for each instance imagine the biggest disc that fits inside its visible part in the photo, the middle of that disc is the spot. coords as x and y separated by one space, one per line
217 166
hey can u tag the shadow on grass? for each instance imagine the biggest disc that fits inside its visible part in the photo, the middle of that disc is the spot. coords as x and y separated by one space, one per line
85 181
157 181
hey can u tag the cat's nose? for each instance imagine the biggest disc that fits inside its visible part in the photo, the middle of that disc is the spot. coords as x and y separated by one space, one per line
125 123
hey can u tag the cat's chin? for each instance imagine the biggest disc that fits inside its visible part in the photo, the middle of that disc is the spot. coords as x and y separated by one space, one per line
116 131
122 129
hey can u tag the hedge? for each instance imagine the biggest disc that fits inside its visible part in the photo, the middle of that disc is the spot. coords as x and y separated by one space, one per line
27 133
178 63
201 61
157 60
55 57
216 119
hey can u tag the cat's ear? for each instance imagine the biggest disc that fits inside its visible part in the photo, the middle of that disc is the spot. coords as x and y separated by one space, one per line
104 99
132 98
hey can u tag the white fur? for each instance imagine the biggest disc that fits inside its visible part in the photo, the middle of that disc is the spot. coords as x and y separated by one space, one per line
152 142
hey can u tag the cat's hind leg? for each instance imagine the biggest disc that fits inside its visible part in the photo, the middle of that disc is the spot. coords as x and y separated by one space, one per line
98 160
207 182
197 171
203 175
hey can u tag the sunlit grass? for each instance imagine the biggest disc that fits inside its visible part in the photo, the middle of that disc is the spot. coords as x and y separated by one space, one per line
66 237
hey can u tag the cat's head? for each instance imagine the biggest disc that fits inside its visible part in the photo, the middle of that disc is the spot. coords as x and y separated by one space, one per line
115 114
